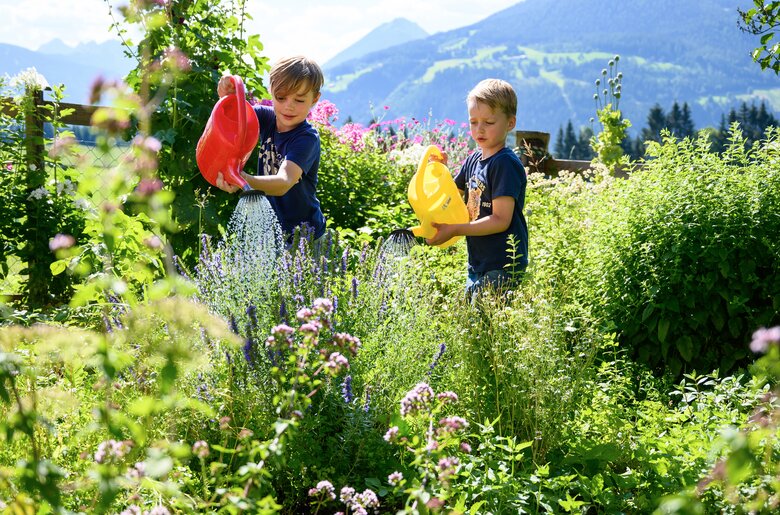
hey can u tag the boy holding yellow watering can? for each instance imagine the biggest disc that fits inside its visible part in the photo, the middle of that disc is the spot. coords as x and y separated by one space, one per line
494 182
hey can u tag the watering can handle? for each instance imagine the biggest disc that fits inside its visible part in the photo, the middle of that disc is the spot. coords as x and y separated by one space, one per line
238 84
432 149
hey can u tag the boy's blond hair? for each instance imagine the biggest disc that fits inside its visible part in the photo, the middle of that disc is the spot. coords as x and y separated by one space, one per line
291 74
496 94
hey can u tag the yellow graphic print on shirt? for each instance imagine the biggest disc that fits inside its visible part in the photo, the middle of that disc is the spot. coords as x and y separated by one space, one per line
472 204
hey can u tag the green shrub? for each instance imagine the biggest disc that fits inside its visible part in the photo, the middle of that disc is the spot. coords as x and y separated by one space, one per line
683 254
361 189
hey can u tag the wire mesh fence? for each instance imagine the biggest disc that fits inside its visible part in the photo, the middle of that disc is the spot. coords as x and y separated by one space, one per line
58 186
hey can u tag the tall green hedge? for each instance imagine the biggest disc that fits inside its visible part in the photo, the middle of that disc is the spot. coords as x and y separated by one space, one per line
683 259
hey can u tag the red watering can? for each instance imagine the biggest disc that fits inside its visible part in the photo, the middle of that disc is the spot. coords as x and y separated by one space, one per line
228 139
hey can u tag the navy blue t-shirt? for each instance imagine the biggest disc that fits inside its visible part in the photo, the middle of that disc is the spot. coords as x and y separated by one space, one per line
500 175
301 146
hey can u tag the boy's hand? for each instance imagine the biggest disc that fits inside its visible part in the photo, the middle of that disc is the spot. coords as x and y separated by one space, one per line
225 87
224 185
439 159
444 232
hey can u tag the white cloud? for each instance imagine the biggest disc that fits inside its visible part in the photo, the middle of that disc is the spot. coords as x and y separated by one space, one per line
317 28
31 23
322 29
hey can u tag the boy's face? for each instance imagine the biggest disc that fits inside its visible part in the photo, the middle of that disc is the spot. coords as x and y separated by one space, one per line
292 108
489 128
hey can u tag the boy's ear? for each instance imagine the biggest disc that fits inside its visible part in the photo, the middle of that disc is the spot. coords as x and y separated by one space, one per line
512 122
316 98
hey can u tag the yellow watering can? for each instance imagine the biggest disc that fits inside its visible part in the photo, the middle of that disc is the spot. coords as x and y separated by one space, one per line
435 198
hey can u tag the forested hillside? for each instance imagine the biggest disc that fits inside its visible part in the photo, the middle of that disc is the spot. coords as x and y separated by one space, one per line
552 51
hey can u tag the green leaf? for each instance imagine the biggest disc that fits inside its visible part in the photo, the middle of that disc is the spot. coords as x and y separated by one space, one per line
58 266
158 464
144 406
685 348
663 328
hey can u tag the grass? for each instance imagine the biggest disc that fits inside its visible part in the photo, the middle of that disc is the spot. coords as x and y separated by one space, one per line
344 81
482 54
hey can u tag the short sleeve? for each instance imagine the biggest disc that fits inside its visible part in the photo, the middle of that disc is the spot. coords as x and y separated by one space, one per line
507 177
303 150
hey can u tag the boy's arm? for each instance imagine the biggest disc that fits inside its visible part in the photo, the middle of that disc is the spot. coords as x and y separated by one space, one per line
498 221
279 184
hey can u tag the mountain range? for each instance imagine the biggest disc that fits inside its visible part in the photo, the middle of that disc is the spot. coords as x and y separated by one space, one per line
552 51
75 67
391 33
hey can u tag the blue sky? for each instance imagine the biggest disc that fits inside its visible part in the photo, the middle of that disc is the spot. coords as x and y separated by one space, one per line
329 26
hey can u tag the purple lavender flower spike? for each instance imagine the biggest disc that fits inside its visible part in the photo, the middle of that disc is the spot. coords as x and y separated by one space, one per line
442 348
346 389
107 323
344 260
248 351
283 311
251 312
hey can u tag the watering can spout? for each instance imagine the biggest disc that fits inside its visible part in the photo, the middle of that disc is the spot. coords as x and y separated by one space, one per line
419 231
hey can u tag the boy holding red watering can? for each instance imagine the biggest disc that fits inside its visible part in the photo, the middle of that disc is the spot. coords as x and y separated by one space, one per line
289 145
494 181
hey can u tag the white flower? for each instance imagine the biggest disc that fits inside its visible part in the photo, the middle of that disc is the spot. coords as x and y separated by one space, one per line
29 78
81 203
38 193
66 187
409 156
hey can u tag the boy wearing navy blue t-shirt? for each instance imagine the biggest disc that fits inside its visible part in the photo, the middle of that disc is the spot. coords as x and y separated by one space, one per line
289 145
494 182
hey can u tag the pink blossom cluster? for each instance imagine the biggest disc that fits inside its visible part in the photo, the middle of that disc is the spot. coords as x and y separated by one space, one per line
281 335
324 490
347 342
110 450
764 338
354 135
447 397
395 478
447 467
418 399
358 503
452 424
324 113
391 435
336 363
200 449
138 470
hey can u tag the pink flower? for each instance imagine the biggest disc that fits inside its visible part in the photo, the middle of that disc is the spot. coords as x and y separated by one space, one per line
336 363
324 113
392 434
61 241
200 449
395 478
416 400
765 338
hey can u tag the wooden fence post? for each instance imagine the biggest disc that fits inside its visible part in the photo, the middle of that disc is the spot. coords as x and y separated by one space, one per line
36 241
